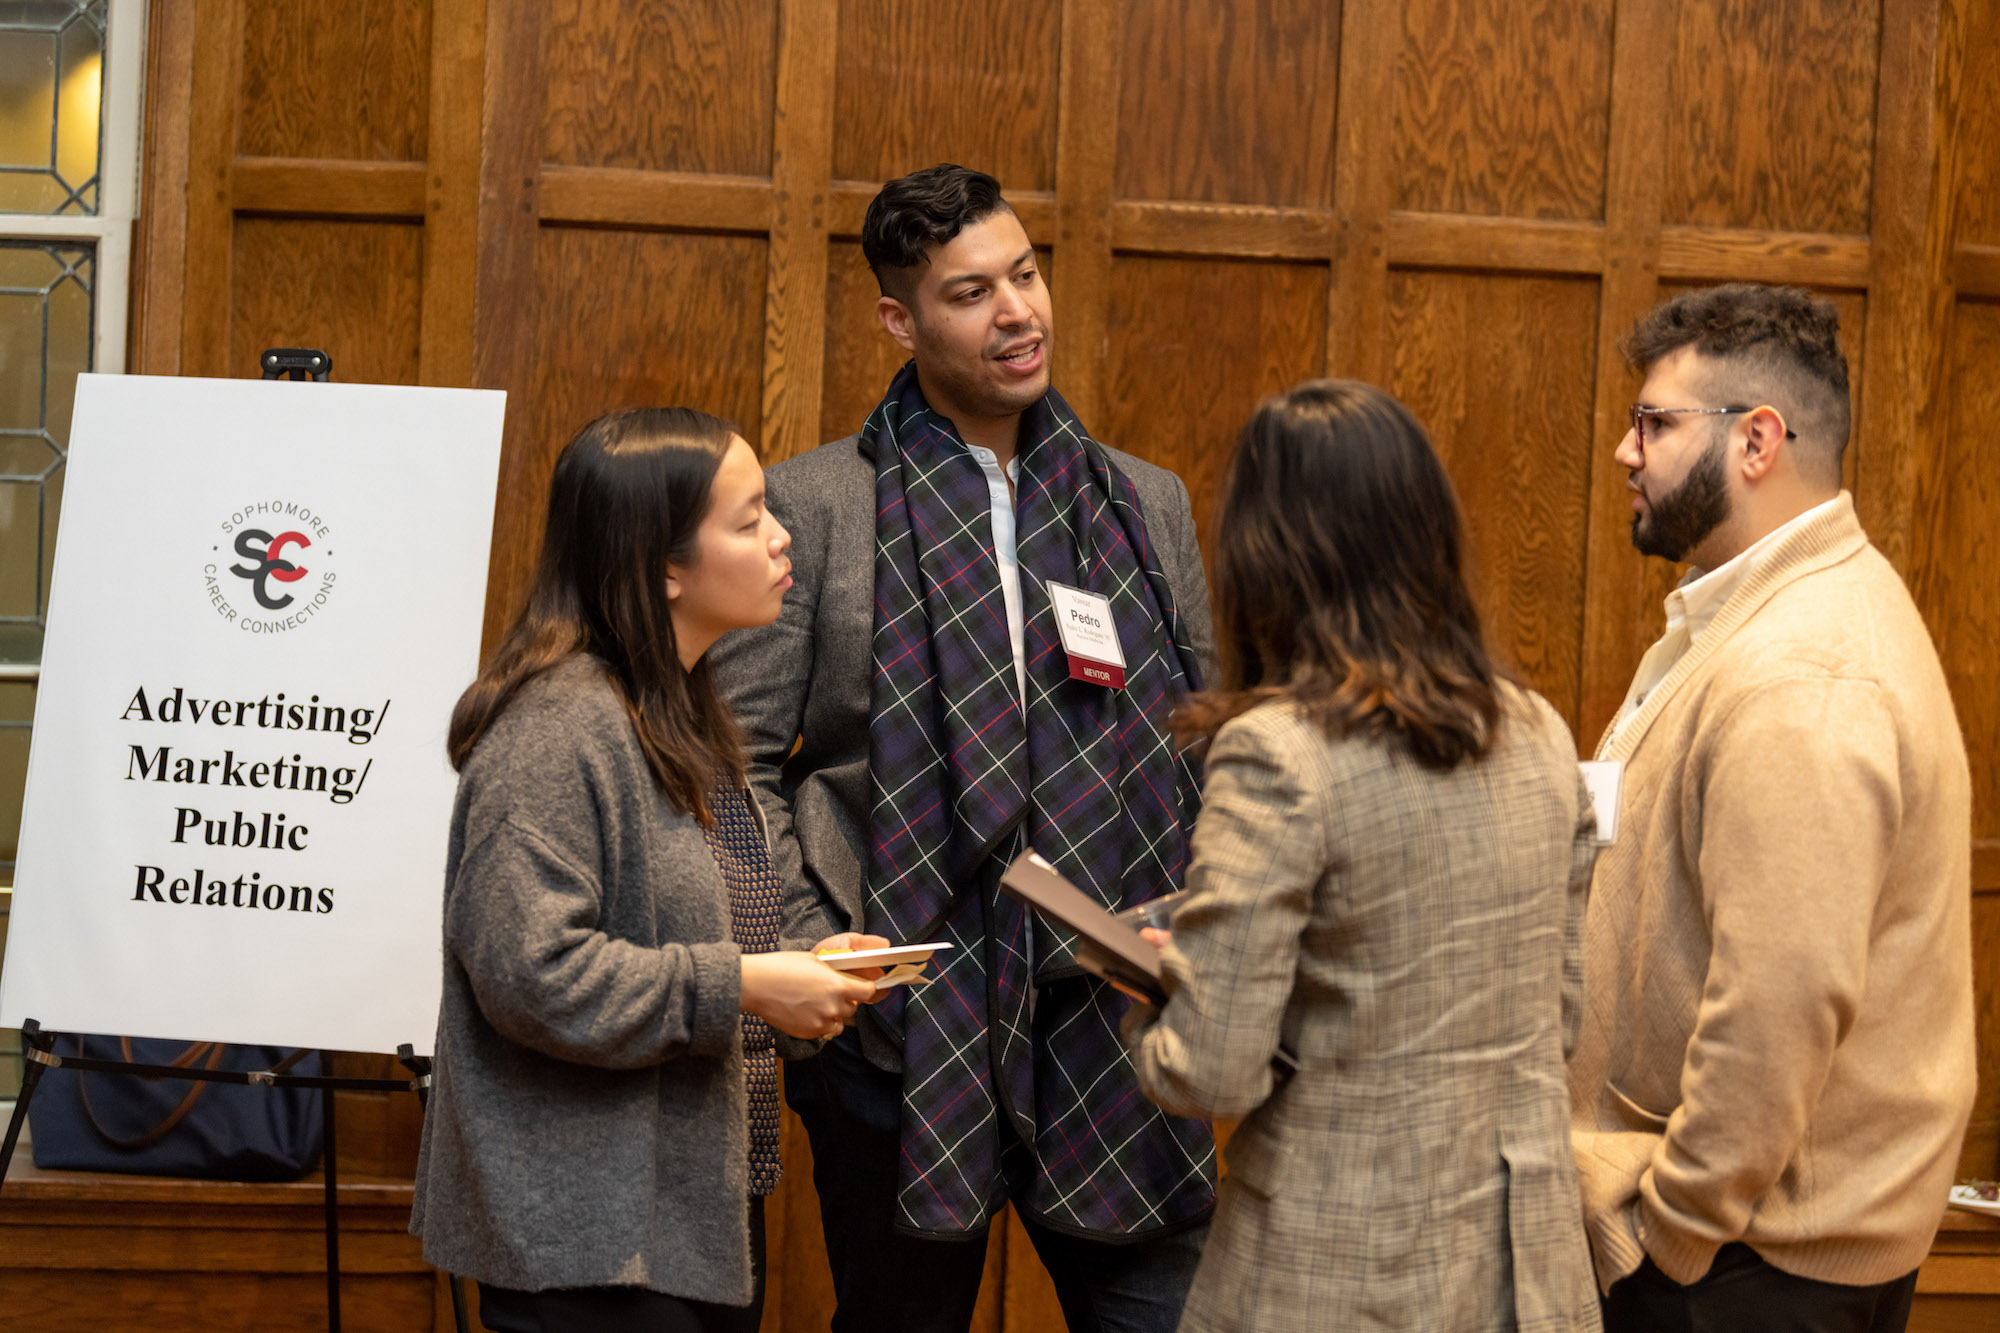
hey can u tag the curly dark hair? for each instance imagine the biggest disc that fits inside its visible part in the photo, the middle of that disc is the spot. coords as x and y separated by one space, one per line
913 214
1776 345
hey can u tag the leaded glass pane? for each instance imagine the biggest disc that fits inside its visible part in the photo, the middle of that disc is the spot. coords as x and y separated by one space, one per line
51 104
17 710
46 314
25 457
52 489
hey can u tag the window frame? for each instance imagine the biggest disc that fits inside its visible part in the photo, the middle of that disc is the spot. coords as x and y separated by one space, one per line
110 231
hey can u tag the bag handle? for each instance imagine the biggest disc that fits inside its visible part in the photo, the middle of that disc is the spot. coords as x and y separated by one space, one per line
212 1049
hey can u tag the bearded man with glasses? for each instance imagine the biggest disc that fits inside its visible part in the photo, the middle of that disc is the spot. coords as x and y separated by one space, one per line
1776 1062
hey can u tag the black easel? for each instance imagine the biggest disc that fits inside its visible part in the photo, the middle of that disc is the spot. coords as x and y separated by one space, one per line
39 1044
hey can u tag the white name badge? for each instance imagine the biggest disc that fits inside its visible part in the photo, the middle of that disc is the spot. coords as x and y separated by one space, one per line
1089 636
1604 777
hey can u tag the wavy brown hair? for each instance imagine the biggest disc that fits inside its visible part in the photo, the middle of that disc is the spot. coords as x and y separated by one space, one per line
1338 581
626 499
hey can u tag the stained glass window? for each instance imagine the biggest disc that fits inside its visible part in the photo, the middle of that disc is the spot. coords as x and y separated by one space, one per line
51 105
69 113
45 339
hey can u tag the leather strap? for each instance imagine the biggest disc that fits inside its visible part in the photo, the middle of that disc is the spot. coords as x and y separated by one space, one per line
212 1049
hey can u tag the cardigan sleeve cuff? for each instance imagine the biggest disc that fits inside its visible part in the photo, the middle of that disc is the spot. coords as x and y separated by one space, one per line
1683 1257
718 997
1609 1167
796 1048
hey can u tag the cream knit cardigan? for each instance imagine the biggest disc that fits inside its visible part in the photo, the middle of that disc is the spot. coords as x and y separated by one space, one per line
1777 1041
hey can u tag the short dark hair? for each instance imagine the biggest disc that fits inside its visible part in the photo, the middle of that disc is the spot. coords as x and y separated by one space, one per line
914 213
1779 345
627 499
1339 583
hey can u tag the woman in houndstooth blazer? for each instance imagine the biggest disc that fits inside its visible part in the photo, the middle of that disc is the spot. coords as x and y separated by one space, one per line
1387 883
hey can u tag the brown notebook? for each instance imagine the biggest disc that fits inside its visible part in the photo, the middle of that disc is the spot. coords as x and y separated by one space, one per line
1106 946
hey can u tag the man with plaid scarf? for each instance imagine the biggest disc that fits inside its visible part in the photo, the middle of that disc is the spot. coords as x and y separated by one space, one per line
913 722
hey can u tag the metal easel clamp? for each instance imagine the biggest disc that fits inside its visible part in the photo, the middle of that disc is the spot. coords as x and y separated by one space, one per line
42 1057
298 363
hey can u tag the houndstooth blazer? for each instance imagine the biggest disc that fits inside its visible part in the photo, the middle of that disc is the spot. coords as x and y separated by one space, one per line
1414 937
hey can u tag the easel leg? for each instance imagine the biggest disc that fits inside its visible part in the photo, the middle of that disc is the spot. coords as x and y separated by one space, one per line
420 1065
31 1074
332 1216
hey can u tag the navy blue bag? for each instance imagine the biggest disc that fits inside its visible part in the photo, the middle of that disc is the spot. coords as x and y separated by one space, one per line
175 1127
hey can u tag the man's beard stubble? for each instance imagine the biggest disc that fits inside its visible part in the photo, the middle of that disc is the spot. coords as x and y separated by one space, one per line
1681 520
971 392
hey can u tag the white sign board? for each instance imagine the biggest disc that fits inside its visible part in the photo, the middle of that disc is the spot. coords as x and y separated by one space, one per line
267 597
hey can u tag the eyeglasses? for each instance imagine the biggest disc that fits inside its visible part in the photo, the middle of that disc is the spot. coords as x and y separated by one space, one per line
1648 422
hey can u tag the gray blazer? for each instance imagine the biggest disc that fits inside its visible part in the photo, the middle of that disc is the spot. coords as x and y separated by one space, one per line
587 1124
1415 937
805 679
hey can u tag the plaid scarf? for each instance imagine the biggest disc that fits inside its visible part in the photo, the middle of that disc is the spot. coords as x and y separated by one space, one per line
961 775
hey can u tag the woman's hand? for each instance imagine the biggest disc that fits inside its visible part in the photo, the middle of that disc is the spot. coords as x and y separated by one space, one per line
799 995
853 941
1159 939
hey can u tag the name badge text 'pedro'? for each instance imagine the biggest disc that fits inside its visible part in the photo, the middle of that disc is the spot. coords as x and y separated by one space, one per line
1089 636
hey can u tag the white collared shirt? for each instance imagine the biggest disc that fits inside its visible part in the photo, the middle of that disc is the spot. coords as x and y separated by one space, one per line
1694 603
1006 550
1000 500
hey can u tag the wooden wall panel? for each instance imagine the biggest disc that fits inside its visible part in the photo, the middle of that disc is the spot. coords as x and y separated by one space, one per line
918 83
683 87
1195 345
638 319
82 1252
801 221
336 79
1498 370
1953 1314
1853 308
1979 129
1228 101
628 319
1617 594
48 1301
349 288
1959 598
1504 108
1979 1159
1769 115
861 358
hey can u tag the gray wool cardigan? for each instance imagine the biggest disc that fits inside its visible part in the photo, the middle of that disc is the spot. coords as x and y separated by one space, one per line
587 1122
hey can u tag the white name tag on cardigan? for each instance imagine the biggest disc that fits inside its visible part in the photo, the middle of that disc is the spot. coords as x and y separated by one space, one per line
1089 635
1604 777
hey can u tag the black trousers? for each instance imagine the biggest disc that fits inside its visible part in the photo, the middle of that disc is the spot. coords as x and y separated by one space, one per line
1742 1292
883 1279
625 1309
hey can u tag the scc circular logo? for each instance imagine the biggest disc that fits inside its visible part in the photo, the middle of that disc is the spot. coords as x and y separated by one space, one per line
271 572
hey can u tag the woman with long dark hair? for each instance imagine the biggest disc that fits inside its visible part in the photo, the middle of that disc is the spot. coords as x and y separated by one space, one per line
1386 885
620 967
